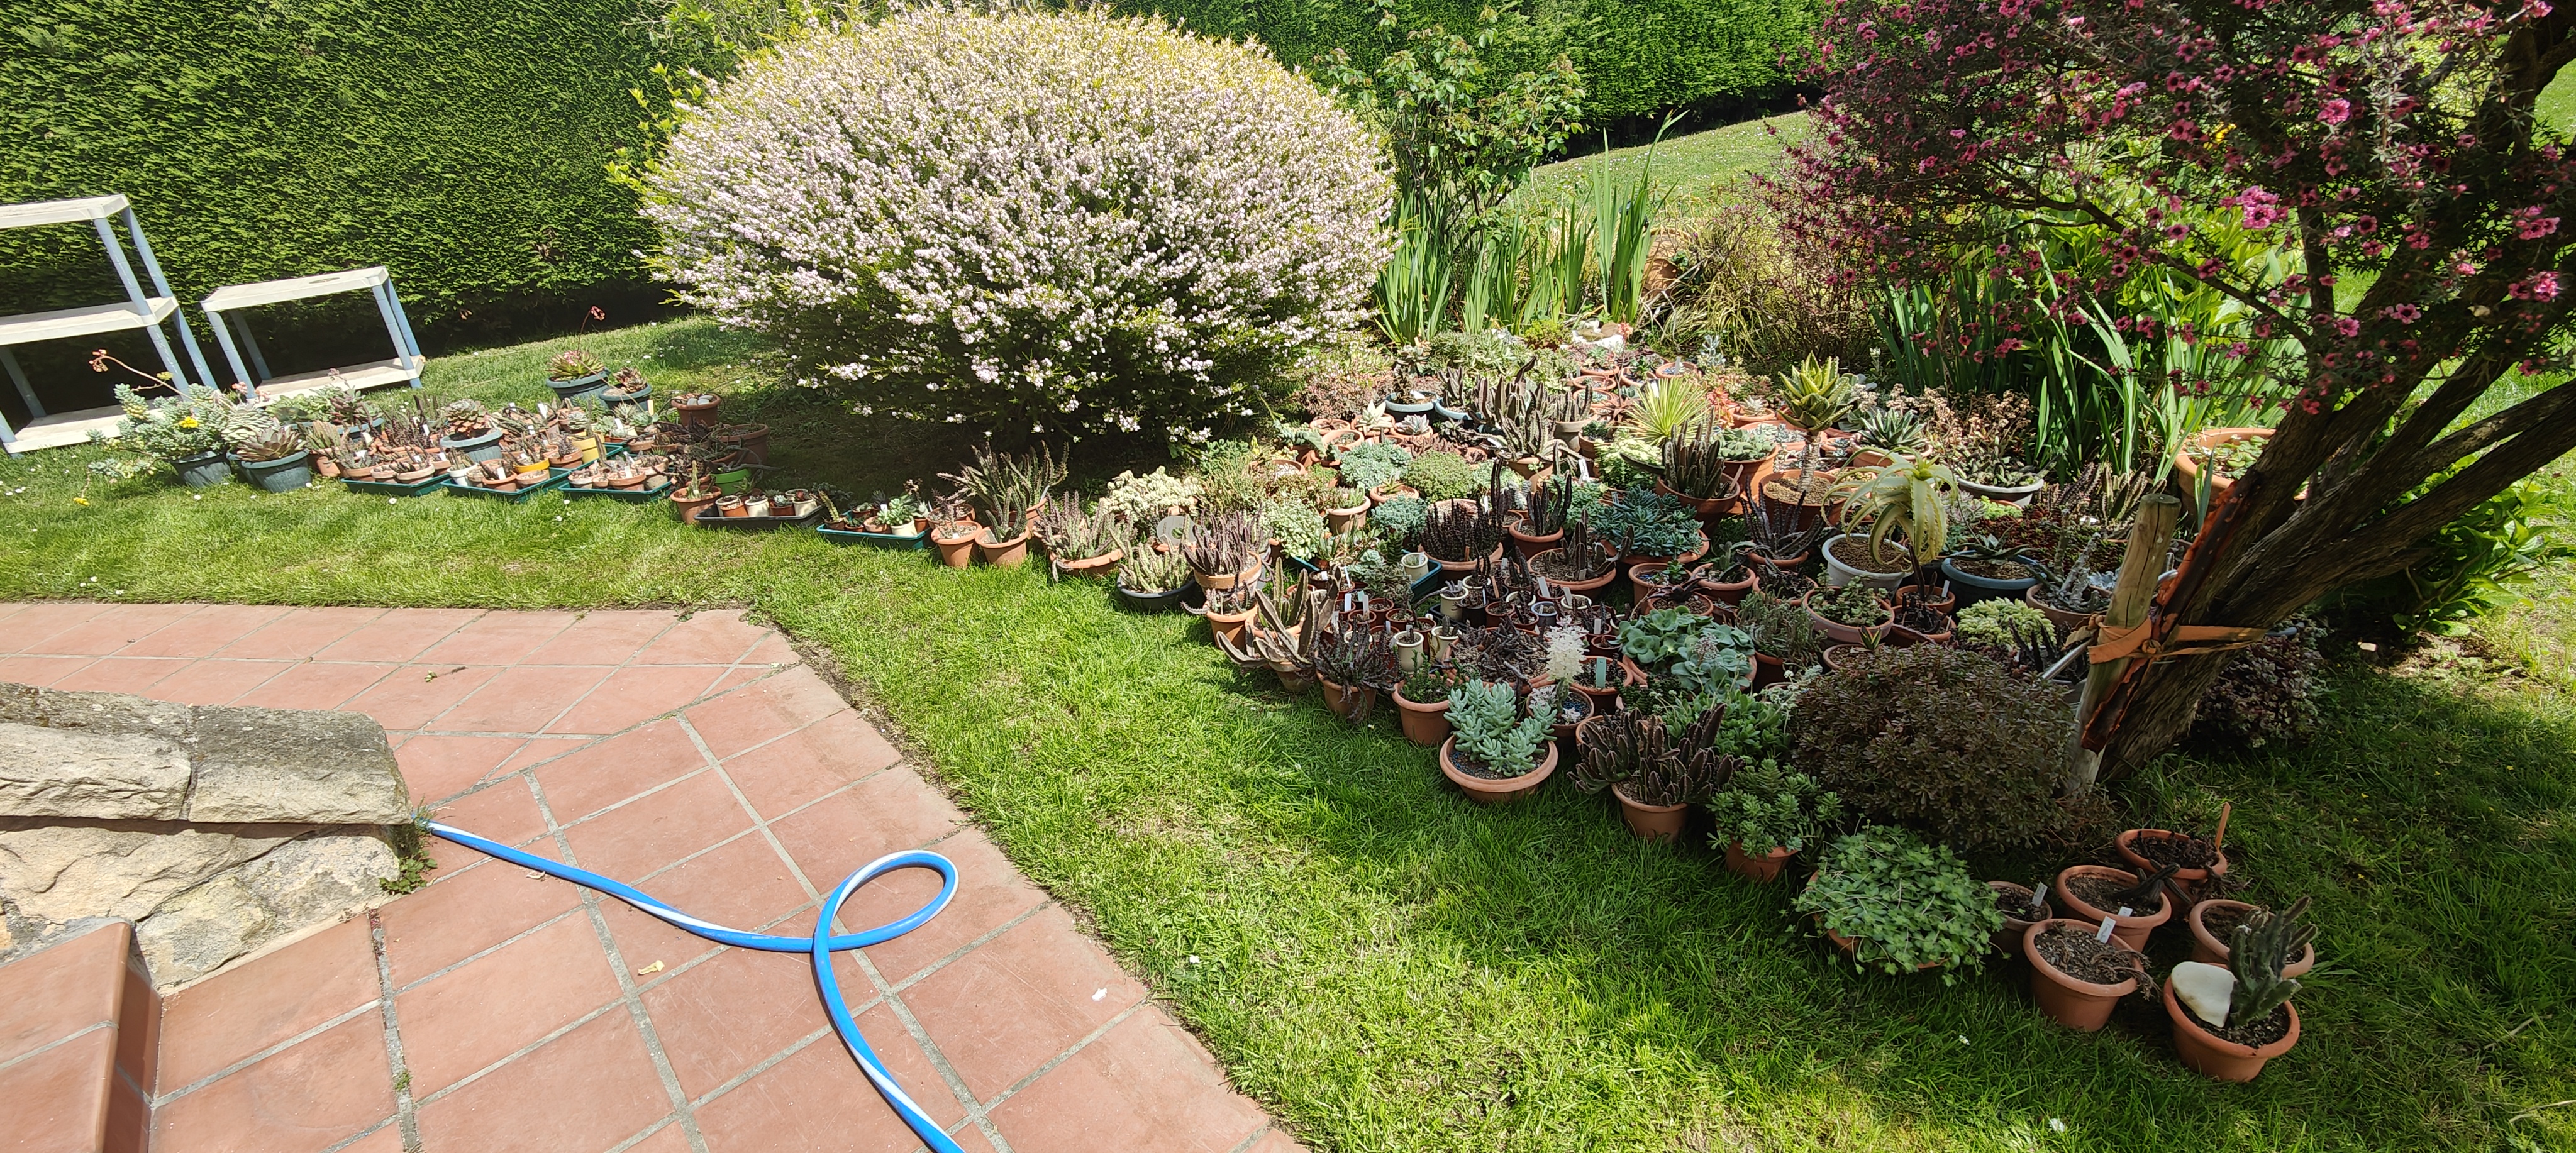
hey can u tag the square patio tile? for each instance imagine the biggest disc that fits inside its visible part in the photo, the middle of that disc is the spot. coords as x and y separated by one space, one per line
889 811
40 671
35 621
109 631
630 696
437 766
307 1098
582 1092
818 1100
215 681
1144 1085
299 633
764 710
417 694
714 637
520 699
731 1012
209 628
53 1096
497 639
56 992
1016 1001
241 1011
315 685
741 884
989 893
797 769
120 674
653 831
469 1017
475 910
594 776
399 636
503 811
604 637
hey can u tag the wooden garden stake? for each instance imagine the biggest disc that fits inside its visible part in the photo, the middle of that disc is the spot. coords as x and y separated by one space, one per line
2150 542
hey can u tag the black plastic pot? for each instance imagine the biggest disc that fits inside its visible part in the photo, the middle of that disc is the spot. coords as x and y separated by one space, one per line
1973 588
1156 602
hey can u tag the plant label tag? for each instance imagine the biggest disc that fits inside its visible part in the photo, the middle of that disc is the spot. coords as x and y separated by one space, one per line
1542 588
2103 934
2039 896
1346 602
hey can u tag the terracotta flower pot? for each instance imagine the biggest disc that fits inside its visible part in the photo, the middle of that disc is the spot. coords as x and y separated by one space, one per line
732 506
1228 626
2217 1058
2065 621
2077 1004
2131 931
1586 586
2186 471
2207 949
1463 566
688 508
1839 632
1346 702
1425 725
1529 546
1496 791
2008 938
1708 508
1221 581
1767 670
1731 592
1091 565
2193 882
1761 870
956 551
1645 586
1650 822
1851 948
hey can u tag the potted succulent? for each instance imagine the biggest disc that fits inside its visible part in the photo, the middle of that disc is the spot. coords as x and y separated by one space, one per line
1150 581
576 375
1227 611
1225 550
1373 467
1696 473
1778 542
1542 523
2220 455
1494 746
2196 862
1006 491
1344 509
626 386
1849 613
2213 932
1656 772
1785 636
1080 543
1580 563
1812 397
271 455
1287 633
1351 664
1777 811
953 532
184 432
470 430
2134 904
2001 625
2229 1022
749 443
697 409
1422 704
1893 902
1987 569
2077 975
1649 527
1461 535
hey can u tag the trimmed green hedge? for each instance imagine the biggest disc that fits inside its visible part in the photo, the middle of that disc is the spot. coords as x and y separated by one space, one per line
1637 57
463 143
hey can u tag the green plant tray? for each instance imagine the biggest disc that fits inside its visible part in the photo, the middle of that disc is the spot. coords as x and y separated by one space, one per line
628 495
1430 583
898 541
553 483
395 488
757 523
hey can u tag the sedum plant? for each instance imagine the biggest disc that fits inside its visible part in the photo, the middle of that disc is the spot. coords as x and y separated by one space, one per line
1767 807
1148 498
174 428
1991 624
1296 525
1373 465
1903 903
1440 475
1485 719
1084 222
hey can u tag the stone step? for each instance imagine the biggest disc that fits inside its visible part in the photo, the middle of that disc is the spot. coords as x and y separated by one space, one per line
79 1026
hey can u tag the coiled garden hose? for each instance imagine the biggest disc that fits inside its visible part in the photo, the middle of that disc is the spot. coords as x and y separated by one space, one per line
821 946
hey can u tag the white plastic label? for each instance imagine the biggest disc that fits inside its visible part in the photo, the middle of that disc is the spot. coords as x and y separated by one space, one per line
2104 933
2039 896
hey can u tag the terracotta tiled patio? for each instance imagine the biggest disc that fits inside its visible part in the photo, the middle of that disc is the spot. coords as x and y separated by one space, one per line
500 1010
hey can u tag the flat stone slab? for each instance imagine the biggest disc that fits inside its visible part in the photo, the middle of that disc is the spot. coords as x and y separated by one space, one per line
110 756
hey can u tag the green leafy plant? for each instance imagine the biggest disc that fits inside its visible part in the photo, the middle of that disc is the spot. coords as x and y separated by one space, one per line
2472 566
1905 497
1856 605
1903 903
1297 527
1767 807
1658 638
1648 524
173 428
1428 682
1485 719
1666 407
1373 465
1896 431
1003 487
1990 623
2268 692
1695 468
1400 519
1717 661
1780 629
573 364
1940 738
1440 475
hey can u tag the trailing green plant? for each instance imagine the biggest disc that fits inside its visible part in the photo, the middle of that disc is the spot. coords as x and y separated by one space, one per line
1296 525
1856 605
1441 475
1940 738
1373 465
1768 807
1647 524
1902 903
1491 731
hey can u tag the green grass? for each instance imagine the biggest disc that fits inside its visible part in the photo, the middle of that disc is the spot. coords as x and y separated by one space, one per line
1391 968
1695 167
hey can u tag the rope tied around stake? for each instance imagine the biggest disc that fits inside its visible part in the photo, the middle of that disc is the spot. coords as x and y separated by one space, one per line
2162 635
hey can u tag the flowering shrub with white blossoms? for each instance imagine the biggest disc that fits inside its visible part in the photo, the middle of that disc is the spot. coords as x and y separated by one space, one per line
1079 221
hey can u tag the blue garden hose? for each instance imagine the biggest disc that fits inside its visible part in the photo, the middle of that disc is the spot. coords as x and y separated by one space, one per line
821 945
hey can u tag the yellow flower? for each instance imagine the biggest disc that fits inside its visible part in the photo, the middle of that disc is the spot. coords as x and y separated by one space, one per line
80 500
187 422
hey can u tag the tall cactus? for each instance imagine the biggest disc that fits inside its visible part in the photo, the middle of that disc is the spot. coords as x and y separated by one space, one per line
2265 944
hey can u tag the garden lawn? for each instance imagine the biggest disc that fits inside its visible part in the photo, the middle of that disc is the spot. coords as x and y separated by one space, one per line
1695 168
1392 968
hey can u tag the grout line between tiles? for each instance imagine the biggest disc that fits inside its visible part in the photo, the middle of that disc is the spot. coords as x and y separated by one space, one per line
262 1055
1068 1054
406 1109
54 1044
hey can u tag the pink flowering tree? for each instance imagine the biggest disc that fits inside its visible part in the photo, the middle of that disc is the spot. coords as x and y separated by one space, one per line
2386 151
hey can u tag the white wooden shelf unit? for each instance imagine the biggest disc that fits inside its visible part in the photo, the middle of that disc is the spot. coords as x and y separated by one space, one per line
223 311
139 310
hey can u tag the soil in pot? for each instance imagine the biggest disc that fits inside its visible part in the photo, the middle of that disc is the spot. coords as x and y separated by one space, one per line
1855 554
2020 913
1485 786
2234 1056
2075 978
2252 1034
2087 888
2096 890
2197 860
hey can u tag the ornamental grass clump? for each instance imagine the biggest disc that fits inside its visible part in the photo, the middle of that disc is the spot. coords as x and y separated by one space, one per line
1071 219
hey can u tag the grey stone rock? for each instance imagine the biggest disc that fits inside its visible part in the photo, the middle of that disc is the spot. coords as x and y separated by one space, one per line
314 878
292 765
82 771
200 929
58 872
104 712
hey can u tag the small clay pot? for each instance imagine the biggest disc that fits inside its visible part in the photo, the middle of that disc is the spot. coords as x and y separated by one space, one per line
2065 621
955 551
689 508
1010 553
1493 791
2008 938
1761 870
1650 822
2192 881
1529 546
2081 1005
2130 931
1095 565
2207 949
732 506
2217 1058
1347 703
1425 725
1842 633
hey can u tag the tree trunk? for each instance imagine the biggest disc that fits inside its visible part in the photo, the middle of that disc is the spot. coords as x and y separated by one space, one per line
2160 711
